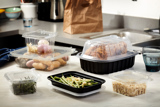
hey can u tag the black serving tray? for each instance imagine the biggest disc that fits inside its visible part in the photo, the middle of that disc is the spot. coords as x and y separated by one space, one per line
77 74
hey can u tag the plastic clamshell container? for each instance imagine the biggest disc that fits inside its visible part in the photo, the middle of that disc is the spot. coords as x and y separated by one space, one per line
129 83
107 55
40 41
22 82
34 37
64 51
73 89
106 47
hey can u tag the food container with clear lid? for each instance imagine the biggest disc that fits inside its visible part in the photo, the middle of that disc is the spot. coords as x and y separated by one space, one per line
129 83
23 82
57 52
41 46
107 54
40 41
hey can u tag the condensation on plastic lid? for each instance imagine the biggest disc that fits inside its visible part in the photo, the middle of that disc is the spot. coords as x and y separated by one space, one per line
130 76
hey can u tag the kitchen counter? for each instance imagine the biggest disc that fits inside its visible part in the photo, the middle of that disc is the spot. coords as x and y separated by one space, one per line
111 26
8 28
46 96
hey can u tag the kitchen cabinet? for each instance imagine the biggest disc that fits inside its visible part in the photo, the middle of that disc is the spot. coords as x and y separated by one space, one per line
12 42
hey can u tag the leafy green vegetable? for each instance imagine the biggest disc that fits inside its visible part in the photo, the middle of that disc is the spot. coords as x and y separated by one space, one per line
24 87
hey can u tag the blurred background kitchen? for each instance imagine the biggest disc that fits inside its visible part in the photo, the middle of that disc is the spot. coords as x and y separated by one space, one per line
137 8
117 14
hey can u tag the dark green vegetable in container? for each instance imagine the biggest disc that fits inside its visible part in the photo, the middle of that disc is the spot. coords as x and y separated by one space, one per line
24 87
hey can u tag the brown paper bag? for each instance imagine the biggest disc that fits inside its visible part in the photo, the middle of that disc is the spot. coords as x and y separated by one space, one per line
82 16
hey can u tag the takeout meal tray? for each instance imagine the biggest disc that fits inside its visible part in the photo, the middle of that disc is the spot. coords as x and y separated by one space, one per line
77 74
108 66
77 94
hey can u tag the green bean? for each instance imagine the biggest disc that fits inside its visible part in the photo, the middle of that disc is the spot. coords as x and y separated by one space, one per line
76 82
67 81
57 78
63 81
52 77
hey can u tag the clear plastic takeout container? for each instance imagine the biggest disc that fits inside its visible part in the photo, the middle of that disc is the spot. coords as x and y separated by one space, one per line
58 52
40 41
23 82
129 83
34 37
40 45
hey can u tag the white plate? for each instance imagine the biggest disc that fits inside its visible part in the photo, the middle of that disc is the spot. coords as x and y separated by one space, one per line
76 94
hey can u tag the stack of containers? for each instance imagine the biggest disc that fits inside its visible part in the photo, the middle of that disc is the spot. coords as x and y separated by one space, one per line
41 47
107 55
41 43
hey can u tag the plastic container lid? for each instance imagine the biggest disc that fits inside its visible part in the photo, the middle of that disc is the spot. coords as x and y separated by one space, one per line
64 51
17 76
107 48
129 76
109 59
39 34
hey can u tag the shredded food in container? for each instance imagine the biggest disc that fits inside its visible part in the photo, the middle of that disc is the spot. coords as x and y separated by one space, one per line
129 89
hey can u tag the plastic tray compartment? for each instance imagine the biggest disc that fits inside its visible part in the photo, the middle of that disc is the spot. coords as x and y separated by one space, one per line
77 74
22 82
112 64
129 83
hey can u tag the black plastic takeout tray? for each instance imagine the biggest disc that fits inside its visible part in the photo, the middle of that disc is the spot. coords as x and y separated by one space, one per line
77 74
107 66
